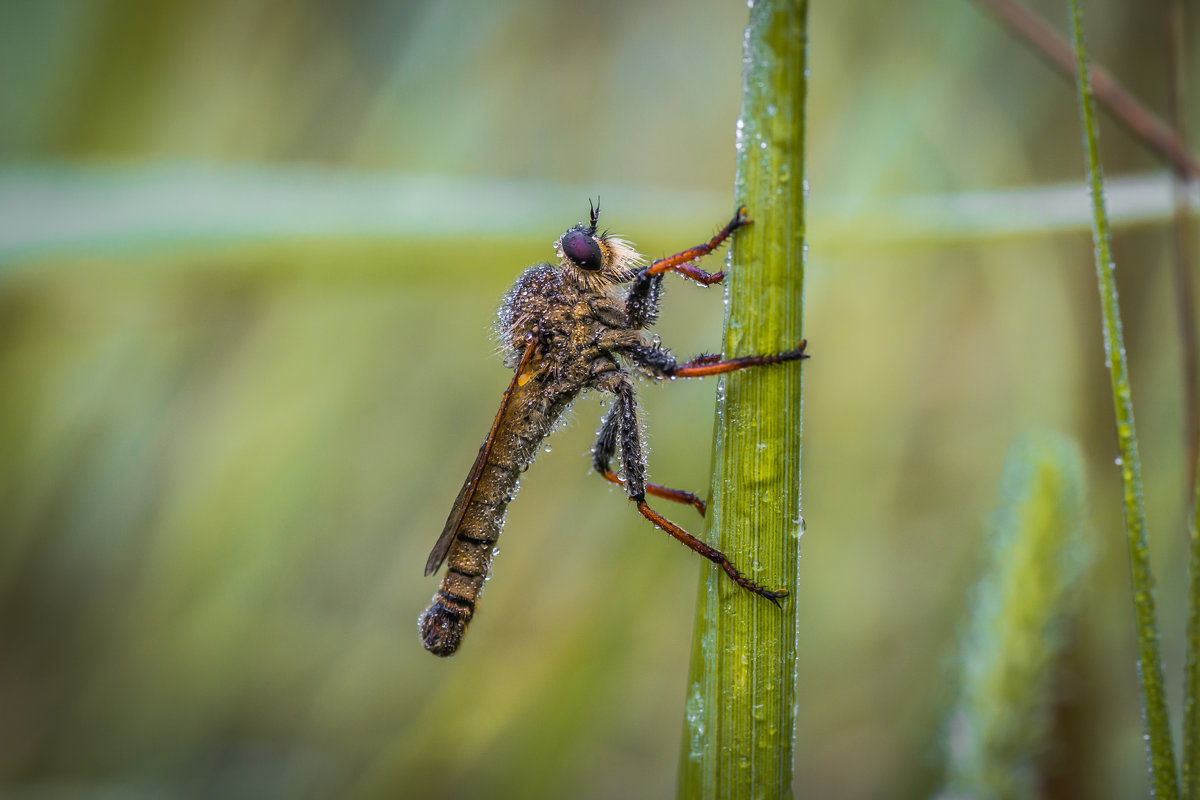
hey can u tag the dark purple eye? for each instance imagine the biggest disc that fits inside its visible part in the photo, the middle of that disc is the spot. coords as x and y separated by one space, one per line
582 249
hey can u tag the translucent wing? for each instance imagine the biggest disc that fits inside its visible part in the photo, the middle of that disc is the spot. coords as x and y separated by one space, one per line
438 555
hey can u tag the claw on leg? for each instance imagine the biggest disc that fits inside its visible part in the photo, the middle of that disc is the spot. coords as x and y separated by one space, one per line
705 365
711 553
680 261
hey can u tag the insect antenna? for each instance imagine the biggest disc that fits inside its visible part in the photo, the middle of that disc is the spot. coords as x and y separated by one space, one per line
594 211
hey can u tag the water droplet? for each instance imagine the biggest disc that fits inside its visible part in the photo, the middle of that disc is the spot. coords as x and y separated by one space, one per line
694 713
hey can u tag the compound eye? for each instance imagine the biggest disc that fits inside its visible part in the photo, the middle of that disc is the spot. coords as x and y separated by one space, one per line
582 249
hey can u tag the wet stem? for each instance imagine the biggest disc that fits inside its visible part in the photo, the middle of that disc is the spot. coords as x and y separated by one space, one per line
1160 755
738 732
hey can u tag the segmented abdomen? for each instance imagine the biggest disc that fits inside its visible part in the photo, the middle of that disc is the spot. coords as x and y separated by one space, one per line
525 423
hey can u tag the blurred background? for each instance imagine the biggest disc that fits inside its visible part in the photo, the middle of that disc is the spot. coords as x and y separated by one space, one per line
250 255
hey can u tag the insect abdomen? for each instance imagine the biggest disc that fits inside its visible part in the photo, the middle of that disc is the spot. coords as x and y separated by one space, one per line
470 556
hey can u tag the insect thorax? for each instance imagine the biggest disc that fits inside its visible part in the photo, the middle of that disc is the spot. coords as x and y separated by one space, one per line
524 306
564 313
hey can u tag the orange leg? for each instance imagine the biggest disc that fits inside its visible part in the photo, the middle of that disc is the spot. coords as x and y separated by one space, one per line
706 365
678 495
679 261
711 553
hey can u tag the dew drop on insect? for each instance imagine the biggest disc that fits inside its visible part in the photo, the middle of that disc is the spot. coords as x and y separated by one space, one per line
495 552
547 449
1118 461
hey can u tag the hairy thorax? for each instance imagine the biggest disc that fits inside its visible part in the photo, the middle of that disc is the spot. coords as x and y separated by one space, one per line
570 321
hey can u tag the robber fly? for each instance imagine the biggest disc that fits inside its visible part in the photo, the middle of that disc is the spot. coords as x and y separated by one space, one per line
564 328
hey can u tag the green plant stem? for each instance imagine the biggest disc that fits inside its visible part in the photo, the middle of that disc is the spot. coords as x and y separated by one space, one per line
1191 681
1163 774
738 737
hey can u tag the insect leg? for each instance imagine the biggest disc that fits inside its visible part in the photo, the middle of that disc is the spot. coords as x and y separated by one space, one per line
633 460
711 553
660 361
679 261
606 442
678 495
705 365
641 304
625 414
606 447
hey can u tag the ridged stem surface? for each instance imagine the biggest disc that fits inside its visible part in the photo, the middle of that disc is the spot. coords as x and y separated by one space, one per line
738 734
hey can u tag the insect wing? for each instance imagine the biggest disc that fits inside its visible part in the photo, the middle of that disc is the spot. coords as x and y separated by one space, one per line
438 555
467 492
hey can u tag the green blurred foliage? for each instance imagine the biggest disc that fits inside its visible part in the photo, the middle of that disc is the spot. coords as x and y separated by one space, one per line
222 467
1021 617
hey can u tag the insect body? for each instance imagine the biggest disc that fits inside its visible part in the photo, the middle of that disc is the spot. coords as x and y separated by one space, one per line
565 328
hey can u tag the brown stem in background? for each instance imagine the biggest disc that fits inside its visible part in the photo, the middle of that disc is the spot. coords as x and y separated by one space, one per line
1136 118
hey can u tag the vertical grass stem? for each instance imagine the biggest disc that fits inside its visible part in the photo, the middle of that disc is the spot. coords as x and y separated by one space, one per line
1163 775
741 706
